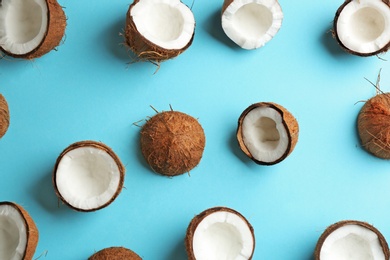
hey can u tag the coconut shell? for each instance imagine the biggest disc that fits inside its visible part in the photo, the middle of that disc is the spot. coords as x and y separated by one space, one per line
115 253
336 35
172 143
145 49
374 125
340 224
4 116
102 147
199 218
289 122
31 230
55 32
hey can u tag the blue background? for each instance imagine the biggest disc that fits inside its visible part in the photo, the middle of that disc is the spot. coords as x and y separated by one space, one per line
87 90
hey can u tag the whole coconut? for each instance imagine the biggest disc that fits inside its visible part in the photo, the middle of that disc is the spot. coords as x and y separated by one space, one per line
4 116
115 253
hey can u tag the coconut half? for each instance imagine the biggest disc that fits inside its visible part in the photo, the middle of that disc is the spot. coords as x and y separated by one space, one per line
267 133
4 116
88 176
251 23
220 233
18 233
362 27
30 28
158 30
115 253
172 143
351 240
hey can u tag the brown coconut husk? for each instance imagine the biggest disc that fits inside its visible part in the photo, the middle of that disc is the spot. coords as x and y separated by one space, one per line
144 49
336 36
55 32
289 122
172 143
115 253
31 230
198 218
102 147
4 116
340 224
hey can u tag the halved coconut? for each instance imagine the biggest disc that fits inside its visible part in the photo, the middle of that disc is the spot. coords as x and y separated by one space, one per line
267 133
351 240
4 116
157 30
18 232
172 142
30 28
220 233
88 176
362 27
251 23
115 253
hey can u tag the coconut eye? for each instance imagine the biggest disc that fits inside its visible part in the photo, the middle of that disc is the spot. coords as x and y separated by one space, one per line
114 253
4 116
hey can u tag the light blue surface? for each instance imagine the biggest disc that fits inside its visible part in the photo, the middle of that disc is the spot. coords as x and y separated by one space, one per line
87 91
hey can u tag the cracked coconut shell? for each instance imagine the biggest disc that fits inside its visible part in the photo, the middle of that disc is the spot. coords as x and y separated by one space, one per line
115 253
172 143
4 116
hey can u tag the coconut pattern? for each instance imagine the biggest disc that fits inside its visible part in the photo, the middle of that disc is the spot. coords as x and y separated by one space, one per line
115 253
4 116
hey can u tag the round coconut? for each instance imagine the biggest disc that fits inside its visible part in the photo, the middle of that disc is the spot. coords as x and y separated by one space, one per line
172 142
362 27
115 253
374 125
267 132
4 116
88 176
15 219
159 30
220 232
351 239
31 29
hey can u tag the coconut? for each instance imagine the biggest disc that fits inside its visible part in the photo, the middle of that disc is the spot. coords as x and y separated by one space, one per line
374 126
220 233
267 133
4 116
251 23
158 30
351 240
18 232
88 176
115 253
362 27
30 28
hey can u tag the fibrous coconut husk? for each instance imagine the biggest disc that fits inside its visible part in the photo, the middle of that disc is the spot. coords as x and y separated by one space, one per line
4 116
98 145
31 230
115 253
172 142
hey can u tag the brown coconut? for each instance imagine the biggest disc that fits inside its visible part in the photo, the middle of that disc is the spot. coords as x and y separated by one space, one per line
31 230
374 125
115 253
328 231
200 217
54 33
144 49
4 116
172 143
289 122
102 147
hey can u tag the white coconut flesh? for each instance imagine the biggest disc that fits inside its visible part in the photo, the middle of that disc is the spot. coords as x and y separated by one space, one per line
352 242
264 134
13 235
222 235
167 23
23 25
87 178
252 23
364 25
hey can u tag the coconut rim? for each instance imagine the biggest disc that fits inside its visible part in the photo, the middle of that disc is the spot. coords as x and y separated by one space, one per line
97 145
